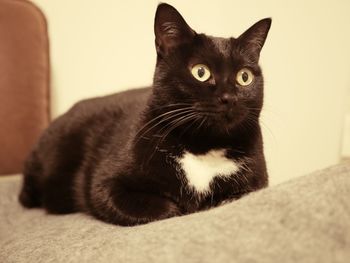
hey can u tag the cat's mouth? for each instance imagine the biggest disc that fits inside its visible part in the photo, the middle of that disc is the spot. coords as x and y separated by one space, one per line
224 119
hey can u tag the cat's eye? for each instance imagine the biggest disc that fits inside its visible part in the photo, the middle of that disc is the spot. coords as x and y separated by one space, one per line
201 72
244 77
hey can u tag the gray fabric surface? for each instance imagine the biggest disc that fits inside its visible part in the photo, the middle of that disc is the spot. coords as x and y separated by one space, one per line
304 220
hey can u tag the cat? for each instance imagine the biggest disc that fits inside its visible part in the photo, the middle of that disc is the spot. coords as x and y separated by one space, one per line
190 142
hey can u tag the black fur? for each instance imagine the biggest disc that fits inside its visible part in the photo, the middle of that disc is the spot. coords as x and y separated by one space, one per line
115 157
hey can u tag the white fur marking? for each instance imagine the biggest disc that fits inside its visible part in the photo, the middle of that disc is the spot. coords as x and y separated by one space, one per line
200 170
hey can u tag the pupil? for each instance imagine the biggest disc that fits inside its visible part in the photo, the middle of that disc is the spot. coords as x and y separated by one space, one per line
201 72
245 76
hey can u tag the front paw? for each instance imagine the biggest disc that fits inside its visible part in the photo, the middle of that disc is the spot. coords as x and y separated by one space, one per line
171 209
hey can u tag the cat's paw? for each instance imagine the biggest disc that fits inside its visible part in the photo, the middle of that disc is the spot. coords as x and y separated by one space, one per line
172 209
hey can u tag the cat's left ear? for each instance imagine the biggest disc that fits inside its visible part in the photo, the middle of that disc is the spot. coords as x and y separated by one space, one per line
171 29
253 39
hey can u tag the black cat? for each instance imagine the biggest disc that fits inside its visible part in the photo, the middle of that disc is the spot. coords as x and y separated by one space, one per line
190 142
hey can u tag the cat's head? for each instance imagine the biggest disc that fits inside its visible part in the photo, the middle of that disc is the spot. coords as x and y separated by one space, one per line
208 82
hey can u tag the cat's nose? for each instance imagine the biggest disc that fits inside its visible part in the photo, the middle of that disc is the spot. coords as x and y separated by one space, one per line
227 99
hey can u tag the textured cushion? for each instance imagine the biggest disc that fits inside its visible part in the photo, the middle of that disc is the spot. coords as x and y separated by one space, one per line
304 220
24 81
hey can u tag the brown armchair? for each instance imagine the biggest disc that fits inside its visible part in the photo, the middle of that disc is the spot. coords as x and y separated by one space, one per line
24 81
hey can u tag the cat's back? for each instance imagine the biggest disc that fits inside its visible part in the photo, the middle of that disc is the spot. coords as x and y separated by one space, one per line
92 124
129 103
107 110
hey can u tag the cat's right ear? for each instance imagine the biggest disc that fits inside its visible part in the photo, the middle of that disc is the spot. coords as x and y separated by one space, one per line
253 39
170 29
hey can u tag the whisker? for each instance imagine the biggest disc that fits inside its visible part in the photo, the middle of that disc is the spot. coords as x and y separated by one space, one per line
176 123
173 114
169 106
196 118
202 122
268 130
173 125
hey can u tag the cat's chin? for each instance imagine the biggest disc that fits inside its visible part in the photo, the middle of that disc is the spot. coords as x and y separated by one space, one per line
221 127
227 122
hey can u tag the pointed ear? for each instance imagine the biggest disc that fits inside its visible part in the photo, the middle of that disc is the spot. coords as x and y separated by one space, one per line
252 40
170 29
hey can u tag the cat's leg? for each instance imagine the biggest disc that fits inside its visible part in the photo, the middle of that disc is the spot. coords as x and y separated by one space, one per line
58 195
63 159
133 202
31 192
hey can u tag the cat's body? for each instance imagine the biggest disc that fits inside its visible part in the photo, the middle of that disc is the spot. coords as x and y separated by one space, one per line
152 153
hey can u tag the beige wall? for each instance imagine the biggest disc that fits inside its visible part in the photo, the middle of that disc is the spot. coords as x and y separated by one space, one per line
105 46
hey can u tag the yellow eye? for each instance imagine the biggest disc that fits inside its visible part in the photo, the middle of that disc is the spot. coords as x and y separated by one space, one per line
201 72
244 77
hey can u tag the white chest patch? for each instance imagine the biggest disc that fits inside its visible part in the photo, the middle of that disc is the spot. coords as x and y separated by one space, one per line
200 170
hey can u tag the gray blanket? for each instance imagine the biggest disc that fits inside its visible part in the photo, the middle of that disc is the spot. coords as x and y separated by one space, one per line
304 220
